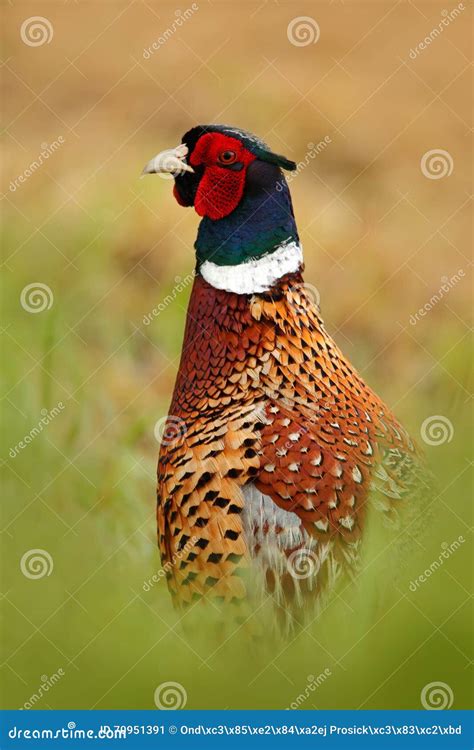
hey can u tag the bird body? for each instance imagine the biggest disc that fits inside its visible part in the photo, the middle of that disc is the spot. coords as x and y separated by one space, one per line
274 445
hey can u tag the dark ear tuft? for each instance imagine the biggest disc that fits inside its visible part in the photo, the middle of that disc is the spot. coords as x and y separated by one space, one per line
281 161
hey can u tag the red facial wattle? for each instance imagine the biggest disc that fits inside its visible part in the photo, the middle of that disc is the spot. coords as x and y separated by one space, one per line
225 161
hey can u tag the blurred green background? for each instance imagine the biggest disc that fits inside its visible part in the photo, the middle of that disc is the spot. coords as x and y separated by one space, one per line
379 237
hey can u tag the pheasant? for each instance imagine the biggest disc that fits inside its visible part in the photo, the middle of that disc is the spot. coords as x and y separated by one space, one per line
274 444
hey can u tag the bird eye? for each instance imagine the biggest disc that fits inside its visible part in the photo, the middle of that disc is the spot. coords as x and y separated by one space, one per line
227 157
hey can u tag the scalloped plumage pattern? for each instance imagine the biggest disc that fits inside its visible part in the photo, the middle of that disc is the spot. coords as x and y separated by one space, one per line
282 446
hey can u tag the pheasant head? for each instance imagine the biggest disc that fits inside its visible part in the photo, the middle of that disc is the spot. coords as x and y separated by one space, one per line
247 238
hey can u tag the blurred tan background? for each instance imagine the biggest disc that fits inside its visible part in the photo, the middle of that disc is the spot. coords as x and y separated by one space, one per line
383 229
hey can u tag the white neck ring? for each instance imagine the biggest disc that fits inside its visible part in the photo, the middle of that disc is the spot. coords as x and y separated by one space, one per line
256 275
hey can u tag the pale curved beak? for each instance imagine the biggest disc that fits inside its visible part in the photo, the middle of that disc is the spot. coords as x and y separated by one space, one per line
171 161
